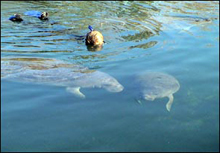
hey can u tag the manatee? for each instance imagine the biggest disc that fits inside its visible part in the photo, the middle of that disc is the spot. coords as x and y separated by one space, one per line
157 85
57 73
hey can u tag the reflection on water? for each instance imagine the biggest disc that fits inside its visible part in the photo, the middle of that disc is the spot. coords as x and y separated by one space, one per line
176 37
138 36
145 46
119 26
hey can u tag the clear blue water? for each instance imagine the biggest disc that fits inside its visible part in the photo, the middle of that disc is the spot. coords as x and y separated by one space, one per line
170 37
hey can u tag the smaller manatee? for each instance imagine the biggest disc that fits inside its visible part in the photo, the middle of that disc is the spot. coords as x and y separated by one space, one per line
157 85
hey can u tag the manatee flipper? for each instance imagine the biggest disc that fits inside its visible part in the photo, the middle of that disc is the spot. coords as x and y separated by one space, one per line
76 91
170 102
139 101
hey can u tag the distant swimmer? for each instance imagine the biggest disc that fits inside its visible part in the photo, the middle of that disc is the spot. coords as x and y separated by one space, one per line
16 18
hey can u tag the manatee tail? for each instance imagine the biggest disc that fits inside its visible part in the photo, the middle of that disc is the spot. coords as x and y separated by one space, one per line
170 102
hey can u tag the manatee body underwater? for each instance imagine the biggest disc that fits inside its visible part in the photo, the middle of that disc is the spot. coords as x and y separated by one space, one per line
152 85
57 73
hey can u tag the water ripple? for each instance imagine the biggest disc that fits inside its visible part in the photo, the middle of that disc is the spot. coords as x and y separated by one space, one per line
129 26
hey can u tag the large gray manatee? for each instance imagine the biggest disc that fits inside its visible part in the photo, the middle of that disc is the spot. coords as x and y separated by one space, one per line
58 73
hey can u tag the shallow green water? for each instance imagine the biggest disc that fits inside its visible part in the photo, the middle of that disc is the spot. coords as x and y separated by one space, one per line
170 37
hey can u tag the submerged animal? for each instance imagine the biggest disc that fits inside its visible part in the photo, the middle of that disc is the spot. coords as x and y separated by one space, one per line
16 18
94 38
157 85
57 73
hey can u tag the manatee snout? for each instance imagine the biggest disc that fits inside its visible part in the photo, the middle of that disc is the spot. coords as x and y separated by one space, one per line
113 87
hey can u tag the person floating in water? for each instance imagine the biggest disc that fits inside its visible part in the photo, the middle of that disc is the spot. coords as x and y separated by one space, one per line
94 40
16 18
44 16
